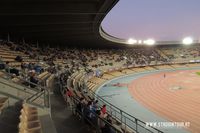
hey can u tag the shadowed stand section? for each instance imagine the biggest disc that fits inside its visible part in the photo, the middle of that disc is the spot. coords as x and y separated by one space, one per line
63 118
9 118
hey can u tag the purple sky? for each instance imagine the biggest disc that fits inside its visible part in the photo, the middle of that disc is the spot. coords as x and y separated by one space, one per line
158 19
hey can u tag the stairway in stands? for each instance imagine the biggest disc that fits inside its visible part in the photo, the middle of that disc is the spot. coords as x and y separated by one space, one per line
9 118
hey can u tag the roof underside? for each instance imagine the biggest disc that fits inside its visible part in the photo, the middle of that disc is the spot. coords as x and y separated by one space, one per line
63 22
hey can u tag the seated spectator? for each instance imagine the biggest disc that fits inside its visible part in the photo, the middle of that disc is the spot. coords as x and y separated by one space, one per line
38 69
14 71
33 80
19 58
2 65
7 67
11 70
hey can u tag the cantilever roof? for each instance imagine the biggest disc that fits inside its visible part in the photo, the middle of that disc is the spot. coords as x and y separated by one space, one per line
64 22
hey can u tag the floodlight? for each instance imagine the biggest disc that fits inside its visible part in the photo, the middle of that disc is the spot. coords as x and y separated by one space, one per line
131 41
187 41
150 42
140 41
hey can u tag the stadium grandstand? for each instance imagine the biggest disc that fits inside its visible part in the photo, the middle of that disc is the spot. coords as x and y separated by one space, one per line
55 57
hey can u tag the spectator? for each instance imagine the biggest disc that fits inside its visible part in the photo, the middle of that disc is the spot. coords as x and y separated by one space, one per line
101 119
68 97
19 58
2 65
107 128
95 105
79 108
103 109
33 80
87 113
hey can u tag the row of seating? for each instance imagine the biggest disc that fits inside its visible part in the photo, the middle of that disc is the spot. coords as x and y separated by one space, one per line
4 102
29 120
8 55
164 67
107 76
13 53
139 69
127 71
96 80
116 73
49 81
193 65
1 74
44 75
91 86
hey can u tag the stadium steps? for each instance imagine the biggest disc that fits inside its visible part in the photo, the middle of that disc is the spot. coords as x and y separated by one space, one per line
64 120
9 118
19 92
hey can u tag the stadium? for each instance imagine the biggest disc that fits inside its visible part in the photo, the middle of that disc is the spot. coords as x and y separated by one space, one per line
61 71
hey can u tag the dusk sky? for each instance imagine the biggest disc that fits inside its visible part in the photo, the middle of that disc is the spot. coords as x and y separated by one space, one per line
162 20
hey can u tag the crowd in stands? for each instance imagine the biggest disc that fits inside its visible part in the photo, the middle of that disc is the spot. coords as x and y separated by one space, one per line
22 60
89 111
175 53
89 58
36 63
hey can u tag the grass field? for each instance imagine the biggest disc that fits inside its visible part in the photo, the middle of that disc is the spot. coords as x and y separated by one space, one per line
198 73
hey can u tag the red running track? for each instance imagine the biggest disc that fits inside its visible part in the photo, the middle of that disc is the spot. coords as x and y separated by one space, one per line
175 97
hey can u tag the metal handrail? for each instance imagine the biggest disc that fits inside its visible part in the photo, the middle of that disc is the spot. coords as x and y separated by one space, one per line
106 122
45 89
125 114
39 86
29 99
76 100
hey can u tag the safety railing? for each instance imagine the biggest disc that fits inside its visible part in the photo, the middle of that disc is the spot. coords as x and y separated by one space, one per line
126 120
37 94
94 122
